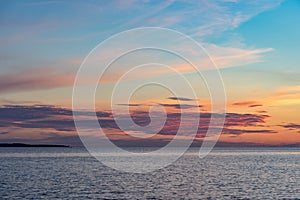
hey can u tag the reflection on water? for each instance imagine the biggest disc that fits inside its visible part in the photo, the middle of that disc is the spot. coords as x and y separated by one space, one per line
71 173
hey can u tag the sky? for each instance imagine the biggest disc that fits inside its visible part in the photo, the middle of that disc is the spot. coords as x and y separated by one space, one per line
254 44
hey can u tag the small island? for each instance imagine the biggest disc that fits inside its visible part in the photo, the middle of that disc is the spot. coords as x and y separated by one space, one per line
30 145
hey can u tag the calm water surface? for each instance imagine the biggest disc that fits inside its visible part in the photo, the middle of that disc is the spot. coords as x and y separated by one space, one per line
71 173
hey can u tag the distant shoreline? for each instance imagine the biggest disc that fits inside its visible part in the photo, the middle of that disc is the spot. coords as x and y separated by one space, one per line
31 145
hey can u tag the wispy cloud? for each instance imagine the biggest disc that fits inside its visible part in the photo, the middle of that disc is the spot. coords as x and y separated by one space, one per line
225 57
200 19
227 15
250 104
34 79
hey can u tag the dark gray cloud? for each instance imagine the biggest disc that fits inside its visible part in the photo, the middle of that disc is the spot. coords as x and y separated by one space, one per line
170 105
19 112
292 126
130 104
236 119
44 117
180 106
58 125
242 131
232 121
181 99
250 104
255 105
51 118
39 111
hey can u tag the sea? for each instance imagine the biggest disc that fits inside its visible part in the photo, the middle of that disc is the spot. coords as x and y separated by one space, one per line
226 173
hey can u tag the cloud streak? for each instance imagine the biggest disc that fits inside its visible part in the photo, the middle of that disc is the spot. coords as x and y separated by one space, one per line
292 126
34 79
57 122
